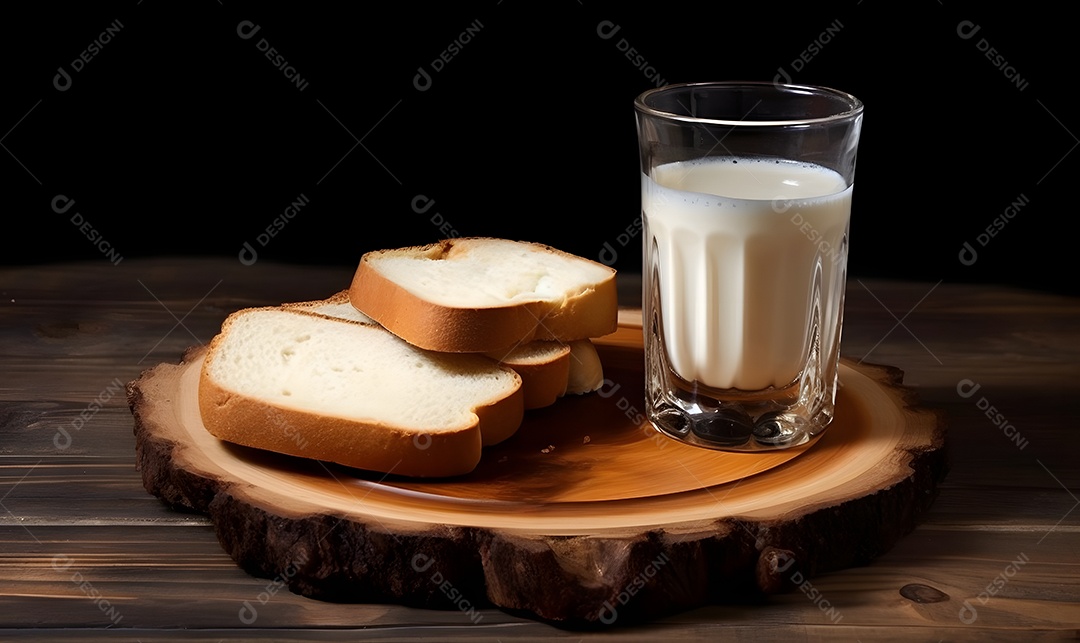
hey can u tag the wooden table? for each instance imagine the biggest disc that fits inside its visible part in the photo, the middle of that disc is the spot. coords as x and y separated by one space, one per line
87 553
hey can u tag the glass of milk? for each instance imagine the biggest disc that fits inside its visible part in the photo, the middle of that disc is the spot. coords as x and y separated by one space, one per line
746 195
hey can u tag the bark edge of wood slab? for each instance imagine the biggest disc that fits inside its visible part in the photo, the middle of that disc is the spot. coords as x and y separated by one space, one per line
625 572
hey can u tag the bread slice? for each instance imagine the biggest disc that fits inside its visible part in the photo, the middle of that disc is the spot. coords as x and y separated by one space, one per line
317 387
546 367
337 306
551 370
586 370
480 294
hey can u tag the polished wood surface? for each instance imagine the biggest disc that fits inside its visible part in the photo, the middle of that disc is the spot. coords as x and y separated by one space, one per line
581 482
582 449
87 553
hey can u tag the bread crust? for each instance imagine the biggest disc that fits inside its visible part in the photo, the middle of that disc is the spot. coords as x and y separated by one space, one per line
543 380
312 305
421 322
373 446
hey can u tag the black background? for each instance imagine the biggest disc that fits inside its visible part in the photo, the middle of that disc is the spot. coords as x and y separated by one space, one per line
180 137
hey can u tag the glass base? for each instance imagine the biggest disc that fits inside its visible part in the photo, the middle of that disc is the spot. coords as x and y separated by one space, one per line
734 424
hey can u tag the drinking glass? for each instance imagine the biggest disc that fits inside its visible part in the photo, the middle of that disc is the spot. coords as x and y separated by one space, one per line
746 193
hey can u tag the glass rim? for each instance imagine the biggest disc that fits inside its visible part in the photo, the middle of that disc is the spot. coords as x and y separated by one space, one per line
854 109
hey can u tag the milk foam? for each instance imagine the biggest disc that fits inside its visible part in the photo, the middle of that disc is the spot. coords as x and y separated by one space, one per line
744 245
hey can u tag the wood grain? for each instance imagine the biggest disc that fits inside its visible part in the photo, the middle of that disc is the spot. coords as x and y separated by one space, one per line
626 522
67 331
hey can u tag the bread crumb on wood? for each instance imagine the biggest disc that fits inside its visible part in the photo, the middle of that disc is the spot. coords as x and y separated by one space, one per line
549 449
586 440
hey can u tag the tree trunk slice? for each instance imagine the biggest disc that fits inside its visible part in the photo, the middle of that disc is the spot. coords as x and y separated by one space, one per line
587 516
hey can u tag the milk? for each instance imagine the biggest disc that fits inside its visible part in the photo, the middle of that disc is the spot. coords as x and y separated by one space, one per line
744 246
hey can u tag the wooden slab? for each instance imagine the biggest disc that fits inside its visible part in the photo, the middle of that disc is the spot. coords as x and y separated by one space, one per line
587 516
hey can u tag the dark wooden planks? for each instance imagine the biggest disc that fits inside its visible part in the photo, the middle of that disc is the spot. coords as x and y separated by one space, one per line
73 329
